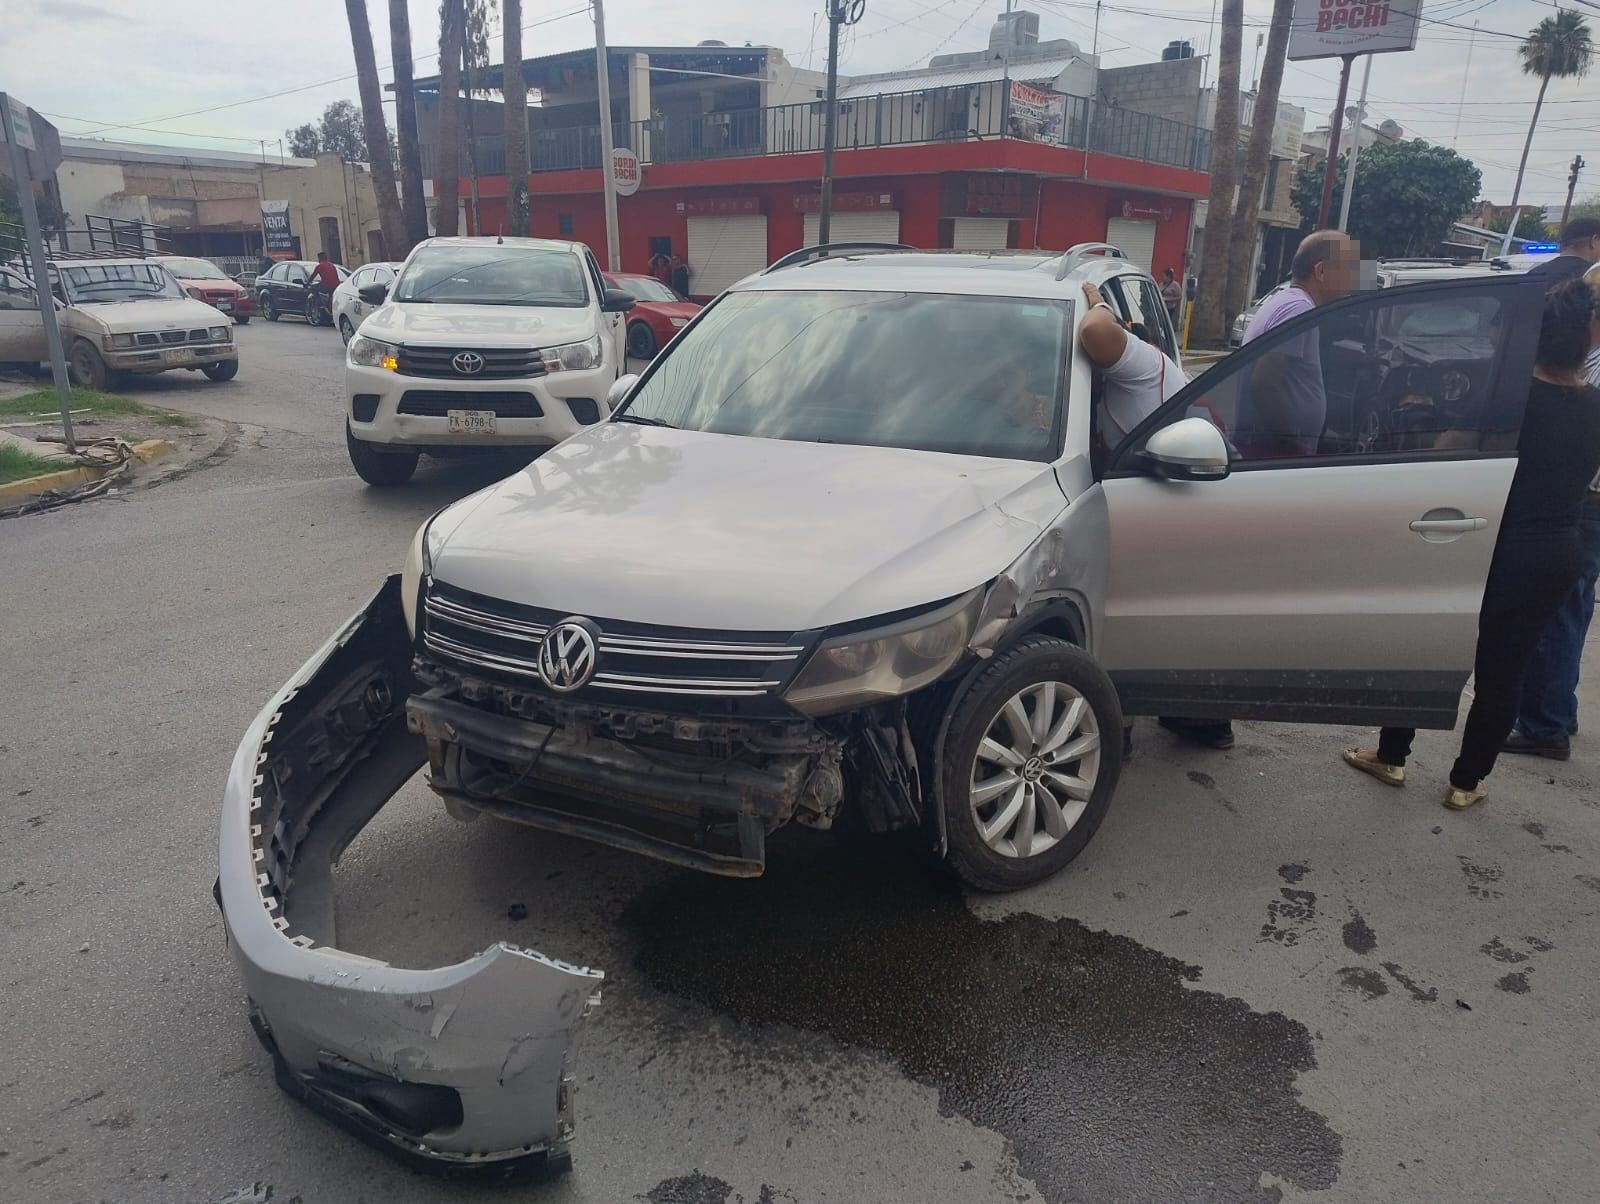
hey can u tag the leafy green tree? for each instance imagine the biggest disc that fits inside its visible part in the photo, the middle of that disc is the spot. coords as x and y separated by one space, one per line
1534 224
339 132
1407 196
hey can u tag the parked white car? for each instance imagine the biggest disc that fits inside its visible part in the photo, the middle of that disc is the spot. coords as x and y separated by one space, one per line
481 342
116 315
349 309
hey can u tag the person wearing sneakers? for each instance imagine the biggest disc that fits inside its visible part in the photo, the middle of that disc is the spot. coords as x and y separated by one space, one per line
1538 557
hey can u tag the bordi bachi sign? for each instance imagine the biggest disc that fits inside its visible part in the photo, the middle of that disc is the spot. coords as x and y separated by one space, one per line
1323 29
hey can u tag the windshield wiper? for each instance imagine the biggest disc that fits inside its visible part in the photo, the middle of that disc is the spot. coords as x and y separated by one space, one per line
641 420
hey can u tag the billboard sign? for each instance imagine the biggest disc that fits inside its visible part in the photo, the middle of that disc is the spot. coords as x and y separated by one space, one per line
1325 29
1036 114
275 226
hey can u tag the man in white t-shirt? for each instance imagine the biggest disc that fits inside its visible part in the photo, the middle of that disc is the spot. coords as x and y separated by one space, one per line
1136 376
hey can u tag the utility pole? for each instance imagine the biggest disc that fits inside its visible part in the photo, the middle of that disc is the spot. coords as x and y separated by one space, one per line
1572 186
603 86
1355 148
17 123
840 12
1335 128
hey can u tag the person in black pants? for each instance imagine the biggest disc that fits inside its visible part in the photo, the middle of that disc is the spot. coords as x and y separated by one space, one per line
1537 558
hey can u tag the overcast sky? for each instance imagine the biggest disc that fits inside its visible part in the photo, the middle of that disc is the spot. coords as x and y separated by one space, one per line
202 72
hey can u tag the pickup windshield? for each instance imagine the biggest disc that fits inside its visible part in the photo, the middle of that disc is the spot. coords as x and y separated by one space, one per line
493 274
92 284
977 376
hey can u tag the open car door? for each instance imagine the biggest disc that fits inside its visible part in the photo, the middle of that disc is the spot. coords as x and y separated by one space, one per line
1327 562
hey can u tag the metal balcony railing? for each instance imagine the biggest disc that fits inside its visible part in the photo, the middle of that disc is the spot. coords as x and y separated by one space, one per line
928 116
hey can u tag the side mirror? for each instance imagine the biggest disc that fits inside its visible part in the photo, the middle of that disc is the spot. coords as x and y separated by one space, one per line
616 301
618 393
1191 449
374 294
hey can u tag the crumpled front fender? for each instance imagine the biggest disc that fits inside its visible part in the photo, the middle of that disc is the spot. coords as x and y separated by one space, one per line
460 1068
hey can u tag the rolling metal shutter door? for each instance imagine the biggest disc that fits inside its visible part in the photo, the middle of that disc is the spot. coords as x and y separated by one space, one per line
1136 240
724 250
870 225
980 233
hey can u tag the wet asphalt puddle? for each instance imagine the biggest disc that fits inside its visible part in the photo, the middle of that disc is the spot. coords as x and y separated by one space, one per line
1111 1077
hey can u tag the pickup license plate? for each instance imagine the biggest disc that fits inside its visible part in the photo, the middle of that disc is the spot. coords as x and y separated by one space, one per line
180 355
471 422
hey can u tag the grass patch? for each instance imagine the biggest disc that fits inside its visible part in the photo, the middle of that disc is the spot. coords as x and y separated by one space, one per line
18 465
43 404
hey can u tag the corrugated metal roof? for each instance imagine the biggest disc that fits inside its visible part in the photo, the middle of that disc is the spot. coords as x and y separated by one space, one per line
1029 71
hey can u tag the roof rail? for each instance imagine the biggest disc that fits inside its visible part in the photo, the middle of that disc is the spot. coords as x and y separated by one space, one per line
1074 255
828 248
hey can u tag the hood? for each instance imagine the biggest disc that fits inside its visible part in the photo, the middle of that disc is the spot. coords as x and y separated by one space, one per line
130 317
207 285
686 529
424 324
670 309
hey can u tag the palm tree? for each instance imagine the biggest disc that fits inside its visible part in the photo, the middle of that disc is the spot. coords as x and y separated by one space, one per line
1558 47
412 205
474 58
447 171
377 132
1242 244
514 91
1207 323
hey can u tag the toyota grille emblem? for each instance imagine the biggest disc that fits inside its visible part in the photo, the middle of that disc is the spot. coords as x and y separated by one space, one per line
567 655
468 363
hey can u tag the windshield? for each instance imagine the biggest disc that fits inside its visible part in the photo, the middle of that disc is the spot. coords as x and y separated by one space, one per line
493 274
643 288
979 376
95 283
193 269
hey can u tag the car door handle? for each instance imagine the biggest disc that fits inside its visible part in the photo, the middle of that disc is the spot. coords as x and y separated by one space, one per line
1448 526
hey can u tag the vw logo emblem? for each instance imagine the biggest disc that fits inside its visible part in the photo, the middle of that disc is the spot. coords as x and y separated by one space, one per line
468 363
567 655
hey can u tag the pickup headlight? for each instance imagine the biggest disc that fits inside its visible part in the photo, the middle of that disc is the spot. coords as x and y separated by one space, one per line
370 353
679 321
573 357
122 340
221 334
419 566
864 667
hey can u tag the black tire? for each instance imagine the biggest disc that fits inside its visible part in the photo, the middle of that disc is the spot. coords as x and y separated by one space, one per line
1034 661
89 371
641 341
268 310
222 370
346 331
242 320
377 467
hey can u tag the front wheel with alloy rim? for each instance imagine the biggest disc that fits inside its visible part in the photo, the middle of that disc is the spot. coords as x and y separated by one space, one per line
378 467
1031 760
222 370
641 341
268 310
345 329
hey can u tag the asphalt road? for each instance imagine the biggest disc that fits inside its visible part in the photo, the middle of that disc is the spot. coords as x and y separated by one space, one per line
1266 975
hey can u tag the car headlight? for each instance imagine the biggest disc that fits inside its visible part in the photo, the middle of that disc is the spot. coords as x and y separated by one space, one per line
679 321
220 334
573 357
864 667
195 293
371 353
419 566
122 340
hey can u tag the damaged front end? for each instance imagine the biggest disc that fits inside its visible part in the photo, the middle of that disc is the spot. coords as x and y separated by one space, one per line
462 1069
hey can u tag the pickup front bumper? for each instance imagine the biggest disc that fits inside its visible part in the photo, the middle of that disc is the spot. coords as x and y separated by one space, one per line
463 1068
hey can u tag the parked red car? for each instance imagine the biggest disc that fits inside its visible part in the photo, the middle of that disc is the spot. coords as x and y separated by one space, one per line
205 281
659 313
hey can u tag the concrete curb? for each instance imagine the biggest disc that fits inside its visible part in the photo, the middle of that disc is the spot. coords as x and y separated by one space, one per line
145 451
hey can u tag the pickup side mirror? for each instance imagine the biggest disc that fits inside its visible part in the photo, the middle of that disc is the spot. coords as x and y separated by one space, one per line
616 301
618 393
374 294
1191 449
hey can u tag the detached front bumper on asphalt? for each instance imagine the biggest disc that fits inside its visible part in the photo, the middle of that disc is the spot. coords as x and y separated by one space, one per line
463 1068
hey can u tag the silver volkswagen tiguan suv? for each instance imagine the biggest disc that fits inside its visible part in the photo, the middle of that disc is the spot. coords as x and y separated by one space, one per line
855 546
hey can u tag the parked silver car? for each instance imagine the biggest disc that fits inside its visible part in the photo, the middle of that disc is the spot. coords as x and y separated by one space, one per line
854 544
